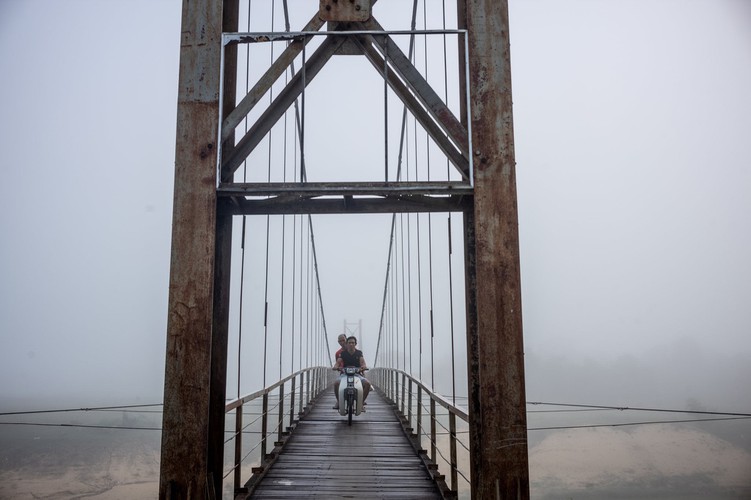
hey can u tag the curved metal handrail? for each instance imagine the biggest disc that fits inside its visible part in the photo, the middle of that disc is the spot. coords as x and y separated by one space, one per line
255 395
312 381
400 387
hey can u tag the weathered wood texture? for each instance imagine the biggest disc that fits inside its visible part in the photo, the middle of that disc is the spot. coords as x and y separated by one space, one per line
497 409
184 457
326 458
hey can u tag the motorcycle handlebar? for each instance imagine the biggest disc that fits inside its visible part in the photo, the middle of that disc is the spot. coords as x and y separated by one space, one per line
341 370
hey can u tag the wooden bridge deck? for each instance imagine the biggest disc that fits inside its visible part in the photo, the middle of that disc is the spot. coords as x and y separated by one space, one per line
326 458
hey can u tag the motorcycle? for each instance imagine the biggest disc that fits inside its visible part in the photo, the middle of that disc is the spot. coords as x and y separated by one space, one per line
351 393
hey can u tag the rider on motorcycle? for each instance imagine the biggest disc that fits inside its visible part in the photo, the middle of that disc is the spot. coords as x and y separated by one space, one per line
351 356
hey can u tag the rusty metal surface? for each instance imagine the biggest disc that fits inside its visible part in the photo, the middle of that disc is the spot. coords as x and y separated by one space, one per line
344 10
281 103
498 427
350 205
344 188
222 278
269 77
432 127
184 458
432 102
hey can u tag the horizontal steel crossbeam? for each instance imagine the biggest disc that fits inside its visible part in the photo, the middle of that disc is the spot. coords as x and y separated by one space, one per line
340 197
307 189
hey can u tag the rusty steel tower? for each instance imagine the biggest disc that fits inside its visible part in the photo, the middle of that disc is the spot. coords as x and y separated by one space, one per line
478 143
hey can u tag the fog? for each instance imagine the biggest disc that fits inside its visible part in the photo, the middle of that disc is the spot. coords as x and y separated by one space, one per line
632 123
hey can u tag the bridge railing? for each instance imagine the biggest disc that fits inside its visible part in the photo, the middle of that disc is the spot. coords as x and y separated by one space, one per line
417 402
276 409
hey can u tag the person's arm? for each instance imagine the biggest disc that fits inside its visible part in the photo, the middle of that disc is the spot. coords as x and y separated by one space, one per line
363 364
338 364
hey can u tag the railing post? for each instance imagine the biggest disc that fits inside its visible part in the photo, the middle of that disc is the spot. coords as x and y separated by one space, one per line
432 430
292 402
238 446
409 404
302 382
452 449
419 414
404 385
408 398
307 385
280 423
264 424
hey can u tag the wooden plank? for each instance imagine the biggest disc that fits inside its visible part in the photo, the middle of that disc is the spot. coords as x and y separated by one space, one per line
326 458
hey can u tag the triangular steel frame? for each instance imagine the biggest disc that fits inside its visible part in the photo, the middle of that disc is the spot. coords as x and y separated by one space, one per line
379 48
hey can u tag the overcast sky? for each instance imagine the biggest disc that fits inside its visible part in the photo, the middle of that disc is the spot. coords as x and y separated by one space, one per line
632 124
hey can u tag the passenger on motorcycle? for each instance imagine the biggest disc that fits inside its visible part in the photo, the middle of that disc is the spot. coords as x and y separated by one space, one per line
351 356
342 340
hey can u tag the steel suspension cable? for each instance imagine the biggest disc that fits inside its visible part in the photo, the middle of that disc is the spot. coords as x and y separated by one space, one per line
300 295
418 232
298 121
240 313
284 218
268 221
318 287
404 145
294 283
386 112
430 224
404 300
244 220
450 263
385 291
382 321
409 276
308 294
395 305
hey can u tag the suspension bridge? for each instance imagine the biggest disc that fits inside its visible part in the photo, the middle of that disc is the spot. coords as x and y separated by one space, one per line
290 113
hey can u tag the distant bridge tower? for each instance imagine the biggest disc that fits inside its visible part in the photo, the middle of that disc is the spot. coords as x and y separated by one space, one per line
353 328
479 143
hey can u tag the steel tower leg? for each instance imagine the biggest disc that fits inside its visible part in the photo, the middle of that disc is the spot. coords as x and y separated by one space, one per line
497 408
196 362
